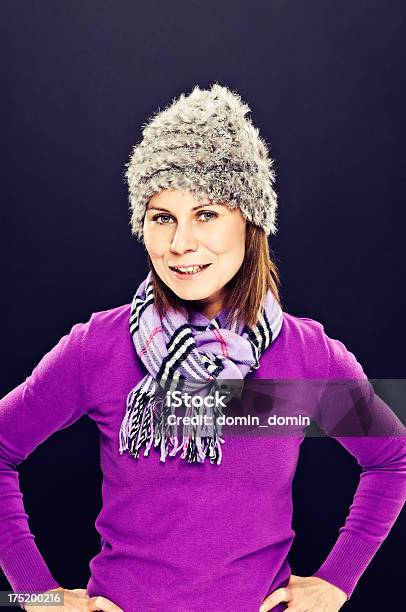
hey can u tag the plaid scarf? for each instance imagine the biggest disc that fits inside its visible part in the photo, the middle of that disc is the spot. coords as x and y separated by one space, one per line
187 352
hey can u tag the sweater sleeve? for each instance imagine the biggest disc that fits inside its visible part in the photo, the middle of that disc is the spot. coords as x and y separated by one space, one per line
381 491
48 400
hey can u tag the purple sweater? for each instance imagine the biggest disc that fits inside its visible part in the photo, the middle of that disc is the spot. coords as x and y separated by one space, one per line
204 537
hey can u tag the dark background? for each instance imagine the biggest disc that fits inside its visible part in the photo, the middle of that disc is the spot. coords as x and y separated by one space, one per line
325 81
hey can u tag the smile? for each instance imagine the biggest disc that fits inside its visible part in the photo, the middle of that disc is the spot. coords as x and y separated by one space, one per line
185 272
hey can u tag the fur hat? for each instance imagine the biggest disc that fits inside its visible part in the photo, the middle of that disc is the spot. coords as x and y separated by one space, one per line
202 142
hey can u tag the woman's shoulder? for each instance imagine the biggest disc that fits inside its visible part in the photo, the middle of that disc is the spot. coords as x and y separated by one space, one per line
104 321
106 333
309 340
303 331
304 324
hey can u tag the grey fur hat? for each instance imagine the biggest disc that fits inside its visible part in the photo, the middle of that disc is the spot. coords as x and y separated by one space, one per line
202 142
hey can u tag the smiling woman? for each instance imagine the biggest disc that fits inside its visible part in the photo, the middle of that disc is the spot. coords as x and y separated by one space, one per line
186 525
212 237
220 249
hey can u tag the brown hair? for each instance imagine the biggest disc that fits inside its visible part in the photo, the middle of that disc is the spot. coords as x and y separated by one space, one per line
247 288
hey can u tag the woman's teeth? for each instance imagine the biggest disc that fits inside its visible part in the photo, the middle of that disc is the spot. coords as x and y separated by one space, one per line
189 269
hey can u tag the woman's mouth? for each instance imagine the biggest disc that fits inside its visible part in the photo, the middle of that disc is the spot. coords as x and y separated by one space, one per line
188 272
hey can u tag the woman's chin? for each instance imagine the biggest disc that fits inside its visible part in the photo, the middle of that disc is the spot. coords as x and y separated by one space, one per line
190 295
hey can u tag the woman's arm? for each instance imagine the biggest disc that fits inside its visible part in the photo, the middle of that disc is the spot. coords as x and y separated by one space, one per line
51 398
381 453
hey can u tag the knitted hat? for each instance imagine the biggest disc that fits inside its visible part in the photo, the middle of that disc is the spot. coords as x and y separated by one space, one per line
202 142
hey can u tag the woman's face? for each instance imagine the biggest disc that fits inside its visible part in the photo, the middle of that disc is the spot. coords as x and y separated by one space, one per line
180 230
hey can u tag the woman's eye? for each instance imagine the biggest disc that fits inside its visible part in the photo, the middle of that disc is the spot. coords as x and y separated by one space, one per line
157 217
208 212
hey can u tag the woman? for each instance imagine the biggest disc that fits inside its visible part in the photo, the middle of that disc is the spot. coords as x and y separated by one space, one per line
193 520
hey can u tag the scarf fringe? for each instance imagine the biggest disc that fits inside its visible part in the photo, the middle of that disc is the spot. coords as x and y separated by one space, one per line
144 425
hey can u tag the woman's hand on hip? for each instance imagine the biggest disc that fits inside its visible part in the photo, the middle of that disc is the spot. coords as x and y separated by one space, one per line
77 600
306 594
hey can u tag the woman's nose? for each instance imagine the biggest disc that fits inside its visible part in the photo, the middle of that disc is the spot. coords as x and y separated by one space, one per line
183 239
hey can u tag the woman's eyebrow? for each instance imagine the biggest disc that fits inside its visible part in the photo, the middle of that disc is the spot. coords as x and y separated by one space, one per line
194 208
